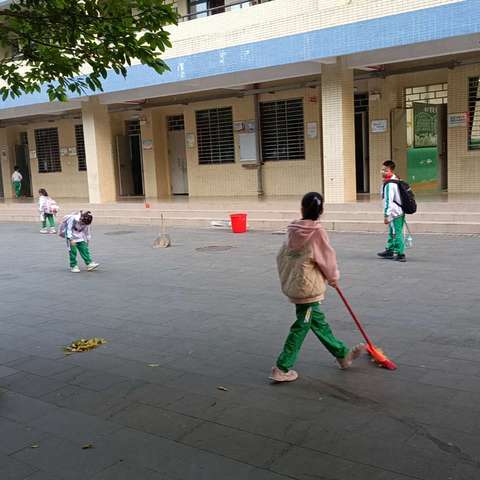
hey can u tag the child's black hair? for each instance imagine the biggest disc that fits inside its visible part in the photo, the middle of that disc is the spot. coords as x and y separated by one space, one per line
312 206
16 167
389 164
86 217
43 192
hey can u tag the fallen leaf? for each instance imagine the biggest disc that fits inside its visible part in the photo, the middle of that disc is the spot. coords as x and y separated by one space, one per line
153 365
87 446
223 389
82 345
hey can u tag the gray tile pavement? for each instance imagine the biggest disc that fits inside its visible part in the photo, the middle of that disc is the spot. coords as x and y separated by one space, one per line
212 320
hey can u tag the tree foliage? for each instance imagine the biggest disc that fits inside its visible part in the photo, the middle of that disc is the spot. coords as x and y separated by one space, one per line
69 45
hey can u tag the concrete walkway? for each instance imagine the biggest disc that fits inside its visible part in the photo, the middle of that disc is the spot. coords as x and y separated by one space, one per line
181 323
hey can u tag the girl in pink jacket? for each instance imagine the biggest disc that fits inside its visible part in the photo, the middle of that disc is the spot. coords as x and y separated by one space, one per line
305 263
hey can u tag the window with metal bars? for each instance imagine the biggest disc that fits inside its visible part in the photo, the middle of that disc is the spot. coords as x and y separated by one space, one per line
175 122
80 141
361 102
48 150
133 127
474 113
283 130
215 135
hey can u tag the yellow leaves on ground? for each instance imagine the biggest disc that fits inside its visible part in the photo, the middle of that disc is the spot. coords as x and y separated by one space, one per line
82 345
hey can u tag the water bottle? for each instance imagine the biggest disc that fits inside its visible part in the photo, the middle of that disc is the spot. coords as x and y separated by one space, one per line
408 241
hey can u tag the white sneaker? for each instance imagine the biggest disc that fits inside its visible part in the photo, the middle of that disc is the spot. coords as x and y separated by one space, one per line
75 269
52 230
92 266
43 230
278 376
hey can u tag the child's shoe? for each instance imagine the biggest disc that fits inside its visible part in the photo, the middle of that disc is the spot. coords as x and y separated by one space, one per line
278 375
354 353
92 266
401 258
52 230
43 230
75 269
386 254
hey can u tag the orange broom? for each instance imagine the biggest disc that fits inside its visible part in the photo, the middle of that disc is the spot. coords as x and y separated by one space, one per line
375 353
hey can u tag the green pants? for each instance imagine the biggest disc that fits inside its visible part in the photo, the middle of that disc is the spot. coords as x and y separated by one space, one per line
309 316
396 241
48 218
81 247
17 186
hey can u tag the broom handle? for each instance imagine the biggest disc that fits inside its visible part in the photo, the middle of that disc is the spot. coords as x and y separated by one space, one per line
355 319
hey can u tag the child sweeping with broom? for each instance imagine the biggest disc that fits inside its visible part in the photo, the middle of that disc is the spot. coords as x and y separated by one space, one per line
305 263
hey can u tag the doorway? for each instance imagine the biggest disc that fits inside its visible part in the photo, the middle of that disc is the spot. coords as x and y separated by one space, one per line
426 137
130 161
362 163
177 155
22 160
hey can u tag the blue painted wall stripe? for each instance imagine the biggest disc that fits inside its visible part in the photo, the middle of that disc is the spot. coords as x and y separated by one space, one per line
425 25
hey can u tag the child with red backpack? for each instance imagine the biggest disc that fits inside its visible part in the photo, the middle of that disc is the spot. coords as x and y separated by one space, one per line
48 209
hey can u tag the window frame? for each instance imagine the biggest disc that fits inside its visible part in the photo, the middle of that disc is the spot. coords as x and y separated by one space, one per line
80 147
473 123
51 163
295 152
220 137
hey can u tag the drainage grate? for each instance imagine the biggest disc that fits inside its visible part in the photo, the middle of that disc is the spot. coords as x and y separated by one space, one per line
120 232
214 248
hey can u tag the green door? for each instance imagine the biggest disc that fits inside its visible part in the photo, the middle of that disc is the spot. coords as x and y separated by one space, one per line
422 157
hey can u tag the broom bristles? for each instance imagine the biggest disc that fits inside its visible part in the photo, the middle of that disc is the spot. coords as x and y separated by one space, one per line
380 358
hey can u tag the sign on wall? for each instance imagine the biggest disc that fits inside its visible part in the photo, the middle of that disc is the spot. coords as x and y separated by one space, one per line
312 130
147 144
457 120
379 126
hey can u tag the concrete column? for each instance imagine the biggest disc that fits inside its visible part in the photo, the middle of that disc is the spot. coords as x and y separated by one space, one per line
338 133
99 152
382 106
148 157
6 164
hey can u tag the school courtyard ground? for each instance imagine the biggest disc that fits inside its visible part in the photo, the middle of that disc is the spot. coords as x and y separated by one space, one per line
180 389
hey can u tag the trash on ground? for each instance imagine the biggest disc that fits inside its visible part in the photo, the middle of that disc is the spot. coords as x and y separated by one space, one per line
223 389
153 365
83 344
87 446
221 224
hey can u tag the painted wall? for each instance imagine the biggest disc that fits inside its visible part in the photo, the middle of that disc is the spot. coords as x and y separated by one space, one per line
279 18
393 143
463 164
70 182
279 177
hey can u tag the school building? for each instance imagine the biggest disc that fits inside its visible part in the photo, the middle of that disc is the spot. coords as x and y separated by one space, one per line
269 97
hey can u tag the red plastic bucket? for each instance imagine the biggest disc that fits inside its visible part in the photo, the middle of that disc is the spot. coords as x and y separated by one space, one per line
239 222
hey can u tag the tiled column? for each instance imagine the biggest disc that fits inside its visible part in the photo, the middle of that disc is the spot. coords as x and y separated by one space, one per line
99 152
338 133
148 158
6 164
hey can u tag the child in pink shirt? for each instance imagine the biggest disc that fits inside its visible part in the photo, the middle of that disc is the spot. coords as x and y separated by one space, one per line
305 263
